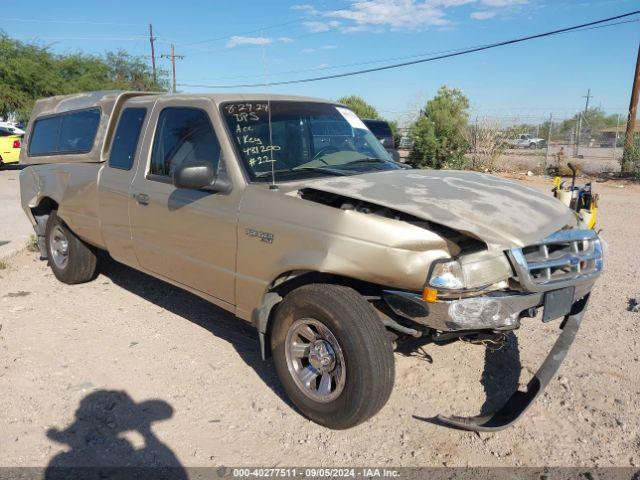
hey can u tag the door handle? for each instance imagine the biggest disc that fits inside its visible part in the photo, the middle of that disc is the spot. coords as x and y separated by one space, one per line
141 198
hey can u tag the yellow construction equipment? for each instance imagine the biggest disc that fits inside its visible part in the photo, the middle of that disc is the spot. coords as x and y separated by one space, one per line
579 198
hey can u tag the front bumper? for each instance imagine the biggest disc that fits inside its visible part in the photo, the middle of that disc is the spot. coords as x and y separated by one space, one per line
498 310
442 315
520 401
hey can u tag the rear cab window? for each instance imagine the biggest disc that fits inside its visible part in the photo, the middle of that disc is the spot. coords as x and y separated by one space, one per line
182 134
125 140
65 133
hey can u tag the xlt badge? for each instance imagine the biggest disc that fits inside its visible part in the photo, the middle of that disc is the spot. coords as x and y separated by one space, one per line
265 237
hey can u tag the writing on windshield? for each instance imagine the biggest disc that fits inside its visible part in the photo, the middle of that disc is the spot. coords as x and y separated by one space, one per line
300 139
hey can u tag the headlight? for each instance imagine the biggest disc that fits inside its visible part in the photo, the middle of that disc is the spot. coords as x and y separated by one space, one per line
470 272
447 275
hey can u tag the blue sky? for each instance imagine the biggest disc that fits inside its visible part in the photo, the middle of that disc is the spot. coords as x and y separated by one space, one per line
236 42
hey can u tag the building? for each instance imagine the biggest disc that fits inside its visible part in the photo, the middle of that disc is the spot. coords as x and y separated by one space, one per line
614 136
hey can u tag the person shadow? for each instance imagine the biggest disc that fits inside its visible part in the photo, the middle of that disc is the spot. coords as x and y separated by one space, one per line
98 447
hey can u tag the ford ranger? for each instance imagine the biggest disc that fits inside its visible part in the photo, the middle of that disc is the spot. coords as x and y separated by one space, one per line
288 212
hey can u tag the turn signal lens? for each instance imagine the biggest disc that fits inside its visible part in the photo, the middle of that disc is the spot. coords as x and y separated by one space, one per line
430 295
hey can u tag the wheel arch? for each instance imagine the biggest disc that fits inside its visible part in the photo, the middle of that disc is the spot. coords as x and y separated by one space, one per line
45 206
40 214
285 283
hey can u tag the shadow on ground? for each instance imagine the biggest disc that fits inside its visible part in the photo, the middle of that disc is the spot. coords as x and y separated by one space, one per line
12 166
501 374
98 445
219 322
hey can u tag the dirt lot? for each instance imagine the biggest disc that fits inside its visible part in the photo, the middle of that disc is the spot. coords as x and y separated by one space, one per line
15 229
593 161
129 370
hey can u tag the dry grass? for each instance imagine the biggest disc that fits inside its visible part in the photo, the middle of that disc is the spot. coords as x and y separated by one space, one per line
32 244
486 146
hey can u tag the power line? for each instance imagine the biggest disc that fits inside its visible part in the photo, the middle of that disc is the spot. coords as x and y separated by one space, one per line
205 50
133 38
268 27
423 60
389 59
74 22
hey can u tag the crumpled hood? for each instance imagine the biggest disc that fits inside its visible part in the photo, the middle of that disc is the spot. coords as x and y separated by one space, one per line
502 213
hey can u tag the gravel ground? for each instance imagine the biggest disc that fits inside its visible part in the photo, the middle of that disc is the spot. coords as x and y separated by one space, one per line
129 370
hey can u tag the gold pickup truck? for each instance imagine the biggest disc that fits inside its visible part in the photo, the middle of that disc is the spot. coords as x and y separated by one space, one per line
288 212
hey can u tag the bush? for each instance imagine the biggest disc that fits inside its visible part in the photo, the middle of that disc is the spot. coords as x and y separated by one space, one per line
630 162
439 133
486 145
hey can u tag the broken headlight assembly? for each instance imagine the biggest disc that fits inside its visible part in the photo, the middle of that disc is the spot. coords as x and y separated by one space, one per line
447 275
473 272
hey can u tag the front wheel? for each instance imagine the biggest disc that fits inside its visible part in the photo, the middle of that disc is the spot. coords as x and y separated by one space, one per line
332 355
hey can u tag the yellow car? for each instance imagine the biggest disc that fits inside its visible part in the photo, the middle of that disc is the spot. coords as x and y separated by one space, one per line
10 144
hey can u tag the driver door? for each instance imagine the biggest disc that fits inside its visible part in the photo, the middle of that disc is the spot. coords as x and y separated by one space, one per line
187 236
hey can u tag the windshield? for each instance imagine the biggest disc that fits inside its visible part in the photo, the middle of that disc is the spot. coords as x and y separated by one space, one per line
306 139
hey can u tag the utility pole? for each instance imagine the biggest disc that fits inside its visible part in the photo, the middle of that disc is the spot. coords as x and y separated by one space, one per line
615 145
153 53
173 57
546 155
631 121
588 96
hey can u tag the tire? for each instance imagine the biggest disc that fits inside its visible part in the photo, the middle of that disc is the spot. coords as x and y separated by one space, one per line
362 372
533 146
71 260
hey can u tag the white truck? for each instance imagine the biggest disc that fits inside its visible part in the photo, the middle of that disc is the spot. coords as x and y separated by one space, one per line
526 140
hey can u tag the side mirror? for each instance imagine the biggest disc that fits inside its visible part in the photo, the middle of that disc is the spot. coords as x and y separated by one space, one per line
194 174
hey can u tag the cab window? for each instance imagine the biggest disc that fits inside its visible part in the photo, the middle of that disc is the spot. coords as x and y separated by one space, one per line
183 134
125 141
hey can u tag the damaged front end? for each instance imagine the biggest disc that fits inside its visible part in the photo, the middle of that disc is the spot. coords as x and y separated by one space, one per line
491 269
555 275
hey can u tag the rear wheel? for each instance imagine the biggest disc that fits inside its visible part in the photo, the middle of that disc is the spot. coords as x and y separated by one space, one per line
71 260
332 355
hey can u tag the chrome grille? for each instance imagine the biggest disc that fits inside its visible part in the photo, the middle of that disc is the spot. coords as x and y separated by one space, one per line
567 257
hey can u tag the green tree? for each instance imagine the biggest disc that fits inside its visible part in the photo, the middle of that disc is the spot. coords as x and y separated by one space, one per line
360 107
29 72
593 120
439 133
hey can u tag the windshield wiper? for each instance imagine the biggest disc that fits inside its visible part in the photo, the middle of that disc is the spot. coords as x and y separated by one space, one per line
332 171
367 160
